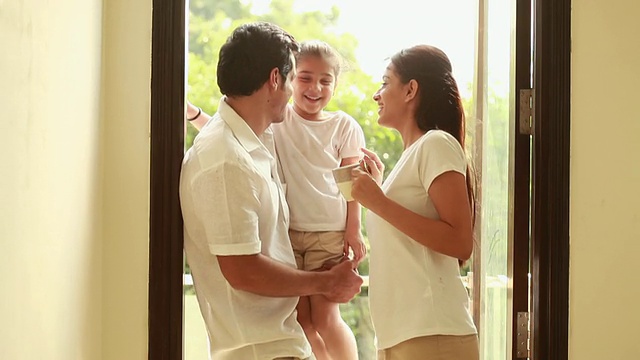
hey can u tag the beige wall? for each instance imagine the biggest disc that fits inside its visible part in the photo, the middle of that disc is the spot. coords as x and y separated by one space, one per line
605 181
74 137
50 203
127 99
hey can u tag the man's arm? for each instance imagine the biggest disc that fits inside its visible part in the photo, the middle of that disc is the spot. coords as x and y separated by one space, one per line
230 221
261 275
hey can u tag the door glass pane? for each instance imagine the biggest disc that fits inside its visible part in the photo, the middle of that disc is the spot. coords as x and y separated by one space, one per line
195 343
492 124
366 40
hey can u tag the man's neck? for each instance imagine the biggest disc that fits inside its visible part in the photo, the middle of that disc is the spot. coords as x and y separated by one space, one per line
252 111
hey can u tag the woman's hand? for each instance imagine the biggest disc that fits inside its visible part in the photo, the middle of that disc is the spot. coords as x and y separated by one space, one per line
366 184
373 165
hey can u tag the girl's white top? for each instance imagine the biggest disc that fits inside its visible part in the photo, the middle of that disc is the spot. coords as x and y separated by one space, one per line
308 152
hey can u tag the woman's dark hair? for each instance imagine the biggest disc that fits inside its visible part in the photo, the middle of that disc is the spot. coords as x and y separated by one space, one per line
440 105
250 53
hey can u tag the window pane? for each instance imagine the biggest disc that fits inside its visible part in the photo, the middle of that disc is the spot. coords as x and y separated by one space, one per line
195 339
494 153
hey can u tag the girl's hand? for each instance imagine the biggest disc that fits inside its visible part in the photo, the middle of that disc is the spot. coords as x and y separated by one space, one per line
354 241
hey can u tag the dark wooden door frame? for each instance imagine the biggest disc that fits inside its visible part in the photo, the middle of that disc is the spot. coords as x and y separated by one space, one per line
168 60
550 229
551 154
522 171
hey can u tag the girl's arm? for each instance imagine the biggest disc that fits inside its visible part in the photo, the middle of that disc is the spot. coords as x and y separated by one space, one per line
353 235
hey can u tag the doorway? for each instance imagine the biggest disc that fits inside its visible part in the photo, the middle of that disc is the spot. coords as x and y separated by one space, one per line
498 278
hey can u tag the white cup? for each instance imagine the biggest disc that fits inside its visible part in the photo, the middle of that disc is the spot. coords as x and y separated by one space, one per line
342 176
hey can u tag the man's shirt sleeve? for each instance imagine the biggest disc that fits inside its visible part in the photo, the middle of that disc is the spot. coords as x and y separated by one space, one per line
226 201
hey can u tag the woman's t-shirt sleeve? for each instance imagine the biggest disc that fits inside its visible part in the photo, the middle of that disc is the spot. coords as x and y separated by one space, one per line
440 153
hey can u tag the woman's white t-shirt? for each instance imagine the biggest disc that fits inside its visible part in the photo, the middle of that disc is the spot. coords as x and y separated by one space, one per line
415 291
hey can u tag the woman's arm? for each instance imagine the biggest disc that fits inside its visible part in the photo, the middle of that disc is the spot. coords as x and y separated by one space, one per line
452 235
196 116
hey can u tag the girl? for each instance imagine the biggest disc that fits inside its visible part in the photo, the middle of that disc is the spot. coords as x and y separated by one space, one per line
310 142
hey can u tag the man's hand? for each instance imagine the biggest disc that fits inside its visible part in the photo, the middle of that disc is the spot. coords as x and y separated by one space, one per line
344 282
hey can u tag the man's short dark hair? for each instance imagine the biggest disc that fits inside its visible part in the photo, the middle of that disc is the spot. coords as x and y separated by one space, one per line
250 53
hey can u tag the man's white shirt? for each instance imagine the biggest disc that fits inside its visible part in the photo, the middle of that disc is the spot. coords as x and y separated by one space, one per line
233 204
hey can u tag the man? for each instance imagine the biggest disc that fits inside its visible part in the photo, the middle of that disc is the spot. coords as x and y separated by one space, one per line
235 212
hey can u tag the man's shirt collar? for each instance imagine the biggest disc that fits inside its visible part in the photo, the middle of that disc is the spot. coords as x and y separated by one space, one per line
241 130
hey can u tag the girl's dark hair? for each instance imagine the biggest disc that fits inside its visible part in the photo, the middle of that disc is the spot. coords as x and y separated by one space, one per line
440 105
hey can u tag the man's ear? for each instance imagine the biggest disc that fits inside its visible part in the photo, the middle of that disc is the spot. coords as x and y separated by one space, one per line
274 79
411 90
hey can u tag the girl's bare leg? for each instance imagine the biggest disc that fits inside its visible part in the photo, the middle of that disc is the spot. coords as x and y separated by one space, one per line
338 338
304 318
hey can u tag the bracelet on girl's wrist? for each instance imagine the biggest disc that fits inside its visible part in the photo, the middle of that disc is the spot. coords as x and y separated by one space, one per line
197 115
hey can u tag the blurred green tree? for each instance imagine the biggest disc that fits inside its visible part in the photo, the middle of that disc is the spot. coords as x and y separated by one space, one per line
210 24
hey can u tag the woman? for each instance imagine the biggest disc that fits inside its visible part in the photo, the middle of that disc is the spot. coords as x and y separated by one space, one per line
420 220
